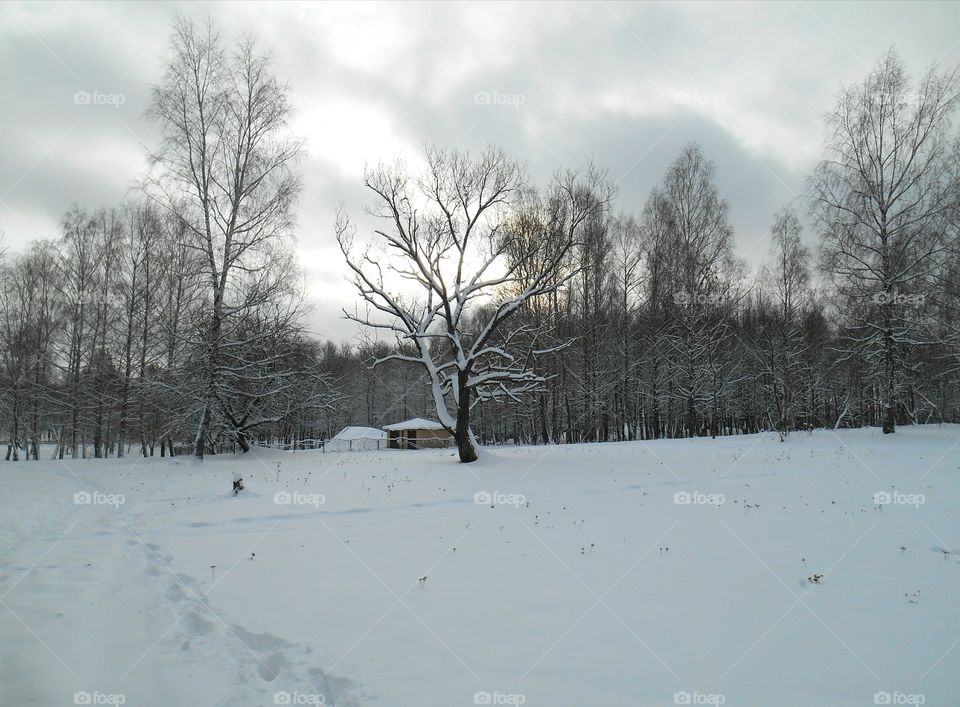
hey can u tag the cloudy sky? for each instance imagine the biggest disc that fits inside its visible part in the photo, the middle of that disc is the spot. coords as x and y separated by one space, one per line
627 84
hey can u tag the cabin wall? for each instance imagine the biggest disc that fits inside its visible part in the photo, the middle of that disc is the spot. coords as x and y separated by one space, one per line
418 439
432 439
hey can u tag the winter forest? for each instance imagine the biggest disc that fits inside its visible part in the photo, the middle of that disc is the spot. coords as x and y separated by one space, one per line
511 310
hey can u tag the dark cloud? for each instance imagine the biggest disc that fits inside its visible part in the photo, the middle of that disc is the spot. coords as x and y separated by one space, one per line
627 85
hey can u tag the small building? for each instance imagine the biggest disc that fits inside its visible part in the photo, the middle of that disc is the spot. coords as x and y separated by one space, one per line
417 434
357 439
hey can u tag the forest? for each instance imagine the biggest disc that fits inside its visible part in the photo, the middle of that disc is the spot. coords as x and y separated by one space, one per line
513 311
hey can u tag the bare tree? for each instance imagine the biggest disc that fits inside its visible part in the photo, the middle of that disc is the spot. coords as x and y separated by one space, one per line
179 287
780 343
447 234
226 170
79 288
31 313
627 257
16 361
699 267
882 197
138 290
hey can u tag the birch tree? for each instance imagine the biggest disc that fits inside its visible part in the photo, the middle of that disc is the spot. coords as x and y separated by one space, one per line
699 249
226 169
78 288
882 198
627 256
781 344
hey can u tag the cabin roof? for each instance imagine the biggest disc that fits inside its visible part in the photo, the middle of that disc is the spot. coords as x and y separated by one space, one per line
417 423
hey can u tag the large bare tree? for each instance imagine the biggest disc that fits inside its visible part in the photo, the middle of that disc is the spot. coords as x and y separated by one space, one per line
448 240
226 169
882 197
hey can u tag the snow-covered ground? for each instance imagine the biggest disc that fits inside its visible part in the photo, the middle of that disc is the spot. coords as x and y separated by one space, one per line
582 577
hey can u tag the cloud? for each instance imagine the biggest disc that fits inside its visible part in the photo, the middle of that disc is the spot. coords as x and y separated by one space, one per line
625 84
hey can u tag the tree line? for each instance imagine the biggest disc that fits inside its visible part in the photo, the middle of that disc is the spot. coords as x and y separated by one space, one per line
511 311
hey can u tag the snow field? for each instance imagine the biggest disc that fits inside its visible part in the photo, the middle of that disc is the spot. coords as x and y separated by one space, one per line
642 573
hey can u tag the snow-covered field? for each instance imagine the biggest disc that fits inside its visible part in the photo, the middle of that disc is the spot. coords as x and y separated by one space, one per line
581 578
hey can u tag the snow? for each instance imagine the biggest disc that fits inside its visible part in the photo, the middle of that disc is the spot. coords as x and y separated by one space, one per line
669 572
417 423
356 439
351 434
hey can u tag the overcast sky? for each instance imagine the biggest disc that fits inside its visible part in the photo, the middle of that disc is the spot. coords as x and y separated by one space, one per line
627 84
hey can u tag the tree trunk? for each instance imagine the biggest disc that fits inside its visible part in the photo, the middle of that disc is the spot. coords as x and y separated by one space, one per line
466 447
889 423
199 445
241 438
213 350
